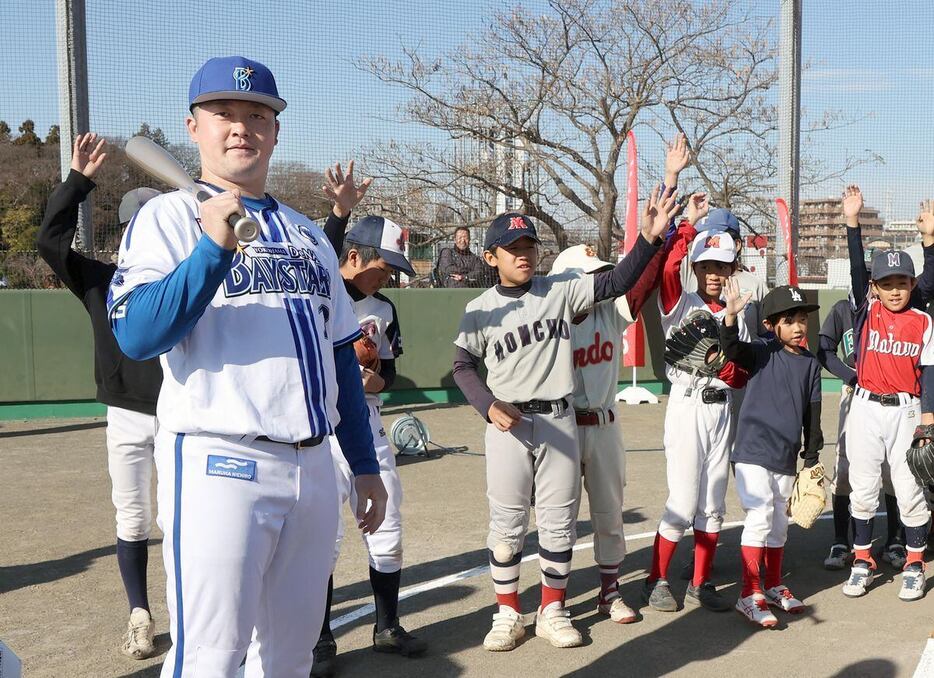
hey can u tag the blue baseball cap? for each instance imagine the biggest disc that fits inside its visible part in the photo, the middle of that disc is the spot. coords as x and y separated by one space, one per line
892 262
507 228
722 219
235 77
386 237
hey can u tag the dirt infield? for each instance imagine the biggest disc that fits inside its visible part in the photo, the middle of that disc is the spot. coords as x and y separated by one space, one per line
62 608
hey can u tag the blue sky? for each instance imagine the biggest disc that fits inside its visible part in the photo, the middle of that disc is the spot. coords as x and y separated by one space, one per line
869 61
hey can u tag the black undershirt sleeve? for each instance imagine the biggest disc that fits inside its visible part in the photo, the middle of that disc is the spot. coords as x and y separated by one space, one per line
740 352
813 435
387 371
334 229
927 389
467 377
829 360
624 276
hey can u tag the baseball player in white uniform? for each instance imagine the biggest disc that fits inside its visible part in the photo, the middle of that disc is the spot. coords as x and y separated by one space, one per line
256 349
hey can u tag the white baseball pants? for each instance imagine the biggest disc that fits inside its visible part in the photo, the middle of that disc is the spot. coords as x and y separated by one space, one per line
876 434
249 530
840 477
603 459
764 496
697 458
384 546
130 440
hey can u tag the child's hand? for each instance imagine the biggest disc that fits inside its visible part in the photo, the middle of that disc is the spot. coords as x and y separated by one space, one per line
926 220
735 300
677 158
504 415
852 205
342 191
88 156
658 213
698 206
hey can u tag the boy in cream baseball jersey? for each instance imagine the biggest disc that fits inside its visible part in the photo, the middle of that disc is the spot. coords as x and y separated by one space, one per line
521 329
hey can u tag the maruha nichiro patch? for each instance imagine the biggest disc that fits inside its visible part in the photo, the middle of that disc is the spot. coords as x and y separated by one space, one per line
229 467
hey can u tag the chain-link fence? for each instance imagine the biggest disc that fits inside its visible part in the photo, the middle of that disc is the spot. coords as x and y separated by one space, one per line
461 111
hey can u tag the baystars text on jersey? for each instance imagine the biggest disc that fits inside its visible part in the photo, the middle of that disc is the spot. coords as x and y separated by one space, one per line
277 268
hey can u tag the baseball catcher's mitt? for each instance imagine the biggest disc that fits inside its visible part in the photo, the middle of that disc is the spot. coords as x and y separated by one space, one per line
920 455
367 353
695 346
808 498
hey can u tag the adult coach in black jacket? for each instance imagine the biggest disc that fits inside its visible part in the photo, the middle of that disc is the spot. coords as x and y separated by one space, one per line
128 388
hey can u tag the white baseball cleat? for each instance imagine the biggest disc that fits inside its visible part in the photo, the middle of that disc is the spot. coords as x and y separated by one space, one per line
912 582
554 625
781 597
618 611
756 609
137 641
861 576
507 630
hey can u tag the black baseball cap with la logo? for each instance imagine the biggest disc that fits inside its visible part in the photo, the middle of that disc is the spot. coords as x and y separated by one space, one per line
891 262
783 299
507 228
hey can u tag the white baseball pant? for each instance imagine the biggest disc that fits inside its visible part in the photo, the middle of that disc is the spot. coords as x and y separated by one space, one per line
840 478
876 434
130 440
603 459
384 547
764 496
697 459
248 535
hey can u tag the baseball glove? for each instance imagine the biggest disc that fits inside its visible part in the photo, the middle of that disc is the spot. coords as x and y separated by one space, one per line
695 346
920 455
367 353
808 498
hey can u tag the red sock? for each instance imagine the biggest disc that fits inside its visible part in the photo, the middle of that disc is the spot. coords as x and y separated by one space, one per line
705 546
509 600
864 554
662 552
915 557
550 595
752 557
773 565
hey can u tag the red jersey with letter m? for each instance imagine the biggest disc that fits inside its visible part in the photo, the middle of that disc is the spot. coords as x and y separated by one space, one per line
893 347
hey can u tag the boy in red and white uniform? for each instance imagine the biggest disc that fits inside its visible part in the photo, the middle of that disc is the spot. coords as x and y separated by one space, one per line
895 343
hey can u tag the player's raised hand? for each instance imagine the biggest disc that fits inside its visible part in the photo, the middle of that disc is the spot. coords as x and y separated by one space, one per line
658 212
504 415
926 222
735 300
88 154
676 159
214 214
852 205
342 190
697 208
370 490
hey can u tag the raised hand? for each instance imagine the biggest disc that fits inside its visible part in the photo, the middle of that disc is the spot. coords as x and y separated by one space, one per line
698 206
735 300
658 213
677 158
852 205
342 190
88 154
926 218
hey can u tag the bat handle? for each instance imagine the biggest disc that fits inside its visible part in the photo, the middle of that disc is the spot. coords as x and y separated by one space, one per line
245 228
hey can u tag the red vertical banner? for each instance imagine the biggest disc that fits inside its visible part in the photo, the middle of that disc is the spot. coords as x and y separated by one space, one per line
634 336
784 222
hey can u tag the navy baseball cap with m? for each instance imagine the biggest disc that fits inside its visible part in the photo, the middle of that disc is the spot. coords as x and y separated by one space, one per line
507 228
235 77
386 237
891 262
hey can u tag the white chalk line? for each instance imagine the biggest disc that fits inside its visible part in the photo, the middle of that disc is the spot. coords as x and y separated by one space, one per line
925 667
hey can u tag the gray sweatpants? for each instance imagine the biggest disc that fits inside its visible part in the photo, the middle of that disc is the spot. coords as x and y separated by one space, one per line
542 448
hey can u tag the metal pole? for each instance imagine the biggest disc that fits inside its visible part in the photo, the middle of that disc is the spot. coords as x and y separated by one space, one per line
74 119
789 123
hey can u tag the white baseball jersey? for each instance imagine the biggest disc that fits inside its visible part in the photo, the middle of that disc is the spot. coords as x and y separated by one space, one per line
260 359
526 342
598 342
686 304
377 318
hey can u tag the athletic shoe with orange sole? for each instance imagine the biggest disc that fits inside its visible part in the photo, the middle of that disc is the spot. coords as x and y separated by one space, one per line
780 597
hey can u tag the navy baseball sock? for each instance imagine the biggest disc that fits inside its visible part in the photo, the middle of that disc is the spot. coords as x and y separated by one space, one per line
841 519
132 559
386 597
326 624
916 540
896 531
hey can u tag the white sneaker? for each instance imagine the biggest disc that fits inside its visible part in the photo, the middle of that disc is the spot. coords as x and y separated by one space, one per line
781 597
618 611
554 625
837 558
506 632
756 609
137 642
861 576
912 582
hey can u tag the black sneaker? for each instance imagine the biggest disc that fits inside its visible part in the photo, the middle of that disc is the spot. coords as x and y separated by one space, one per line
397 640
706 596
658 595
325 654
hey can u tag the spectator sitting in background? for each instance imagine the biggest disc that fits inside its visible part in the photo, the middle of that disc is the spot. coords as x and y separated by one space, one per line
459 267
